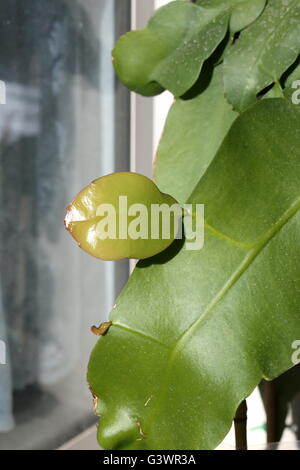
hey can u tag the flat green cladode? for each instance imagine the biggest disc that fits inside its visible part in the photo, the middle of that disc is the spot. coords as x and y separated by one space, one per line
193 333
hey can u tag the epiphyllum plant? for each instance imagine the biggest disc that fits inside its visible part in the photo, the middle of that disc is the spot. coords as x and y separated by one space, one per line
194 332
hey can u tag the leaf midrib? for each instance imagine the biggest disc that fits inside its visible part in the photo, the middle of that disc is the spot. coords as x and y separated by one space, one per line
248 260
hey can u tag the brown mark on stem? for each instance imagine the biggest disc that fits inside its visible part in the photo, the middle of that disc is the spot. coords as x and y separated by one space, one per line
95 400
95 404
102 329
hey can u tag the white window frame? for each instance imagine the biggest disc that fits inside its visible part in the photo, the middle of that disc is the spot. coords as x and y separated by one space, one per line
147 114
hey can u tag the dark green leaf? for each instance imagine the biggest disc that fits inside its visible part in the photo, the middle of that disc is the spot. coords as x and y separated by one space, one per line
243 12
170 52
262 53
193 133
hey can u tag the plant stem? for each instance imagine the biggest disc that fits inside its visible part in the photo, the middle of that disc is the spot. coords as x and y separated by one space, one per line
240 426
270 406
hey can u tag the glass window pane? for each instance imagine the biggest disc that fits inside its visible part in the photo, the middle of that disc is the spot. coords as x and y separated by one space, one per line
59 129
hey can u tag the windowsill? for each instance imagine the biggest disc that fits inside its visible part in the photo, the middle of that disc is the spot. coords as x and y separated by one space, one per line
84 441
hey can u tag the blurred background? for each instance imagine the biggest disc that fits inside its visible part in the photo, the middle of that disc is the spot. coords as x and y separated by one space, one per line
65 123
